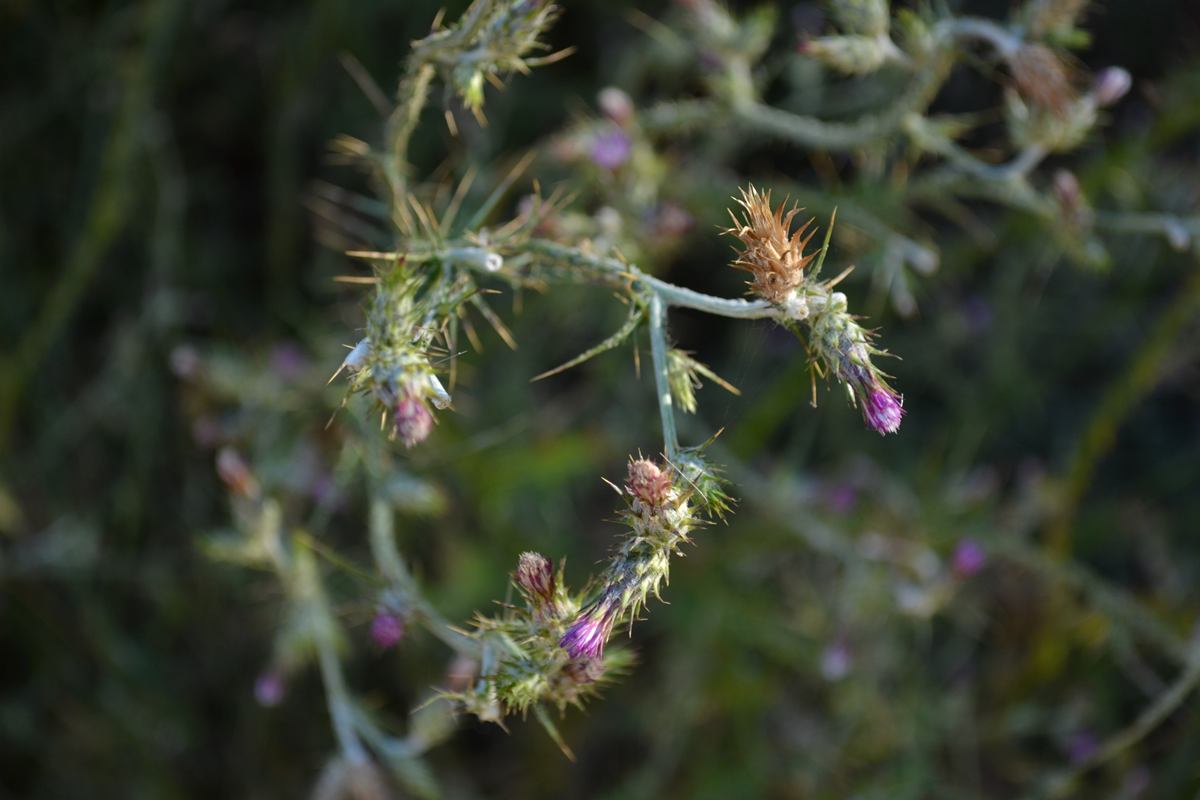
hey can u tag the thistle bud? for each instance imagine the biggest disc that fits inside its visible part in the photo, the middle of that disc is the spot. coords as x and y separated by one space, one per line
535 576
1041 76
414 421
1111 85
616 105
648 483
852 55
235 473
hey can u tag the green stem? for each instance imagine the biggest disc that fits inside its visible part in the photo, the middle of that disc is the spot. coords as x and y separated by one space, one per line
1143 375
662 381
400 580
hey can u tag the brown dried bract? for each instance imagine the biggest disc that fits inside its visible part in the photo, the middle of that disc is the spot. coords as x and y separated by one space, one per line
1042 77
775 258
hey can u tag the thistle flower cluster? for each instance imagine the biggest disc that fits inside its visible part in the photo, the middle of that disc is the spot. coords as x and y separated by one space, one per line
838 345
391 363
492 37
523 665
660 516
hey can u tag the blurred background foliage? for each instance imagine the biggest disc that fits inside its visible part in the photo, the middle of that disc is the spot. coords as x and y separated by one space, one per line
965 609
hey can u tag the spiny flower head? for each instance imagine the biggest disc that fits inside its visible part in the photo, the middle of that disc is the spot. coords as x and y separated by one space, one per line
526 666
773 256
660 516
840 346
391 363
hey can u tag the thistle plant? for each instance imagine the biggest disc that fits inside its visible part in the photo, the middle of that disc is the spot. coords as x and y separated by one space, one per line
446 249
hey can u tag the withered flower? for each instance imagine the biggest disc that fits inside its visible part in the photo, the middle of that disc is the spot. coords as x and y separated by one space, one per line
1042 77
775 258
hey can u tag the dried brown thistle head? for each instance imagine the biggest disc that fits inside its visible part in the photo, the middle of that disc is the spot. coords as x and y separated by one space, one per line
1042 77
775 258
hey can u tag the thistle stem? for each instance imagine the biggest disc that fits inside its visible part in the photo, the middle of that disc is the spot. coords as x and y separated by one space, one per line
662 382
387 557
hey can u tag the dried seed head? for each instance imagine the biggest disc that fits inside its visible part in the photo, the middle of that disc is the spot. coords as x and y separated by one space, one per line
649 483
535 574
1041 76
775 258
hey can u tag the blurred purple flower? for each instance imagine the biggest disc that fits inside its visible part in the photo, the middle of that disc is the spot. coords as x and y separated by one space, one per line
611 149
969 557
288 360
977 314
270 688
1081 746
836 660
387 629
842 498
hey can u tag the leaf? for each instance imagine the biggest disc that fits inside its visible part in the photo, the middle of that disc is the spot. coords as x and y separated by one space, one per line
636 313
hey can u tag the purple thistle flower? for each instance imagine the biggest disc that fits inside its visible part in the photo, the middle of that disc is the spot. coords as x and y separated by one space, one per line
969 557
611 149
387 629
881 409
591 629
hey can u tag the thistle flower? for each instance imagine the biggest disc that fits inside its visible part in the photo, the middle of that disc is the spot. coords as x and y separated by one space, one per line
591 629
660 517
773 256
841 346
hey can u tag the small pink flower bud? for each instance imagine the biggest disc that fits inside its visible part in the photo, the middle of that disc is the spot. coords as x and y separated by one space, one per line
616 105
270 688
414 420
234 472
535 574
387 629
648 483
1111 85
1067 190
